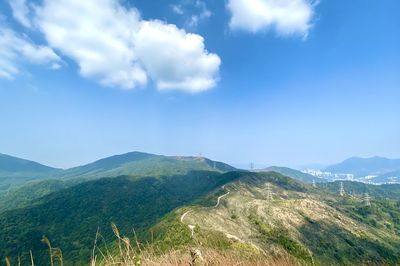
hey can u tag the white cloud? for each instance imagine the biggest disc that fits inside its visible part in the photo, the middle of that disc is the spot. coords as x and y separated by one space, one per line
176 59
113 45
98 36
15 49
20 12
285 16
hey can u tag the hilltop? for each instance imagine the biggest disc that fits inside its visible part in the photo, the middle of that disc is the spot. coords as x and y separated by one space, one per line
133 164
16 171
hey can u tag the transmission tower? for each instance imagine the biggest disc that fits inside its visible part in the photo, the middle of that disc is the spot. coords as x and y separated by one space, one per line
341 191
367 199
269 192
252 166
215 165
314 184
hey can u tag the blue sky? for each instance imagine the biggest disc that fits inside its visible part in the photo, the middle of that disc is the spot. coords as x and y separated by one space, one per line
286 82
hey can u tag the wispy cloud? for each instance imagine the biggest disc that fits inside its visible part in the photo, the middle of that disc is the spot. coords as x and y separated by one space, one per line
21 10
194 11
16 49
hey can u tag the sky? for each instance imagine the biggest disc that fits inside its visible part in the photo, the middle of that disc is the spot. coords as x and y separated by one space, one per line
273 82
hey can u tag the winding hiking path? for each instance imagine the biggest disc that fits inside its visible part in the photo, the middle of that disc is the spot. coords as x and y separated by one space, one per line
219 199
191 227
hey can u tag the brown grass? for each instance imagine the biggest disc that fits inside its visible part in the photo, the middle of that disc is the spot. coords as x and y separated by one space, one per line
132 253
136 255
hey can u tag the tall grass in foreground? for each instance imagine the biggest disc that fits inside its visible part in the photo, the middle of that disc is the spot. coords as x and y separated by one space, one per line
126 253
135 255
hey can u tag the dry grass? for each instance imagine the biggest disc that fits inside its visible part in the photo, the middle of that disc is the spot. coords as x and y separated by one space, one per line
132 253
135 255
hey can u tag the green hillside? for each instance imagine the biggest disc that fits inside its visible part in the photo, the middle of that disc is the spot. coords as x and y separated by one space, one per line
258 214
381 192
134 164
313 225
71 216
144 164
15 171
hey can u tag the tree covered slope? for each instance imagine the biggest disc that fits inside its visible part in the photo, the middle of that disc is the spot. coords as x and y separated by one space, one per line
133 164
15 171
70 217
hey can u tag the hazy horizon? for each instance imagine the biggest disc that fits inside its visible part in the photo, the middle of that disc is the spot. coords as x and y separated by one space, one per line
240 165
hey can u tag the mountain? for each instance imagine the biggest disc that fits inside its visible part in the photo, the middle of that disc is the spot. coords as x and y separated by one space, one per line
362 167
391 177
133 164
257 215
306 178
273 215
144 164
15 171
70 217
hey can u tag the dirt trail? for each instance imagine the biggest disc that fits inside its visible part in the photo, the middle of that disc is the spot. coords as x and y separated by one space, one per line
230 236
219 199
191 227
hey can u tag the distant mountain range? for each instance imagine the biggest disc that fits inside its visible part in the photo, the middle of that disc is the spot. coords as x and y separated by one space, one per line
382 168
361 167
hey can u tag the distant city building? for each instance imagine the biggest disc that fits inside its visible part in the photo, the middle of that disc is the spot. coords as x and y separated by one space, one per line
328 175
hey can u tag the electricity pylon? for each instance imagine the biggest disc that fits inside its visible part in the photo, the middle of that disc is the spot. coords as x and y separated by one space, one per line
341 191
252 166
367 199
314 184
269 192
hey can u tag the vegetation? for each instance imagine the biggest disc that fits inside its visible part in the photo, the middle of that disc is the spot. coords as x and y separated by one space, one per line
380 192
15 171
63 216
70 217
133 164
281 237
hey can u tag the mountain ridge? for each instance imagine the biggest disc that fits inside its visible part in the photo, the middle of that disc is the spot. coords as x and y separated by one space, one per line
362 167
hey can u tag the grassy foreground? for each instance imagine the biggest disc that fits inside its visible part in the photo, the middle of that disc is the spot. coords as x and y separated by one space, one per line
127 252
